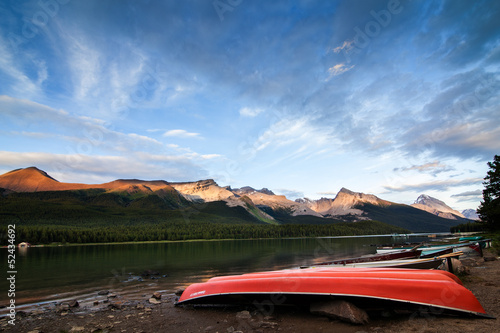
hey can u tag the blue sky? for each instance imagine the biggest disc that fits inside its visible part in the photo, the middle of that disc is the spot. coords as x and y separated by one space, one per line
393 98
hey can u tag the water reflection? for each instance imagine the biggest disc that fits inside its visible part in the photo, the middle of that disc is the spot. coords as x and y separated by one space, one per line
45 272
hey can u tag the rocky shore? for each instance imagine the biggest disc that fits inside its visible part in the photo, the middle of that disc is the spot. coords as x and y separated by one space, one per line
157 313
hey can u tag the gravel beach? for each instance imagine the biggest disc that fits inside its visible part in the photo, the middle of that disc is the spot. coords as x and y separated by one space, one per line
159 314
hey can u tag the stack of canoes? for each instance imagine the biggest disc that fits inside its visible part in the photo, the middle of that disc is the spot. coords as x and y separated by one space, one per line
473 247
394 277
374 287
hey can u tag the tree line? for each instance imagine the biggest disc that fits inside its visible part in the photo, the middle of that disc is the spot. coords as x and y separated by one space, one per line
189 231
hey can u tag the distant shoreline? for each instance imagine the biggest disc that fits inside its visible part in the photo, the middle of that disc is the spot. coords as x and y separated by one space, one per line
246 239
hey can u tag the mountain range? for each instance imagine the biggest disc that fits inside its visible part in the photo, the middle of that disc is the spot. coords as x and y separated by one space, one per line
427 214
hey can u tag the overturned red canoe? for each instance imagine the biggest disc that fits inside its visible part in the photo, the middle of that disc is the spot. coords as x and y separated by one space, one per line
435 289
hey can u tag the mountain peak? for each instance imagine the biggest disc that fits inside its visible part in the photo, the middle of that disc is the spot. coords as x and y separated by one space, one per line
436 207
27 180
424 199
247 190
29 172
427 200
346 191
470 214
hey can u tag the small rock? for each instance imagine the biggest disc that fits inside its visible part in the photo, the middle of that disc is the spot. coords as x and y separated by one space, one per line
153 300
96 303
342 310
490 258
112 296
77 329
157 295
140 306
179 292
115 305
73 303
243 315
209 328
230 329
103 292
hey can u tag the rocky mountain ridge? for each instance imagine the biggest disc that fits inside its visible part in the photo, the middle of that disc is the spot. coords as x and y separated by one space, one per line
262 204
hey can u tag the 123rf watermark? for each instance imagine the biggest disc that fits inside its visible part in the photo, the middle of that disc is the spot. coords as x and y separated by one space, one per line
11 273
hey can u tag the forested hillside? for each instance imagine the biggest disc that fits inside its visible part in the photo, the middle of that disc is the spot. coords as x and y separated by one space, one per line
95 216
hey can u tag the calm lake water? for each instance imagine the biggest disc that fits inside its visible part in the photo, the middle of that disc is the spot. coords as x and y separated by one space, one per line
48 274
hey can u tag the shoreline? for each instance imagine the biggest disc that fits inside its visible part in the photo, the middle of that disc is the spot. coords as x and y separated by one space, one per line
424 234
114 313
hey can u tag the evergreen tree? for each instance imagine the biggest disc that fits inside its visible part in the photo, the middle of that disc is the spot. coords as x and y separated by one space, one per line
489 209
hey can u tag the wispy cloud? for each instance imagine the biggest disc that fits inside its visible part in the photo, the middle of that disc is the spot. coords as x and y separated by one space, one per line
180 133
346 46
328 193
433 168
469 196
250 112
76 167
21 84
81 128
439 185
468 193
339 69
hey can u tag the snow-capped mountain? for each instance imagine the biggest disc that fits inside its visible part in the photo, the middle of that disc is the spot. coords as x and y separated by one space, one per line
436 207
470 214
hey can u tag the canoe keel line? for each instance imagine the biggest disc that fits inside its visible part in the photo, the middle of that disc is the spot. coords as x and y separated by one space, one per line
439 291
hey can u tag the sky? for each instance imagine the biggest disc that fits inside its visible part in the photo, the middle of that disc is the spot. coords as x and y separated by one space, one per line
392 98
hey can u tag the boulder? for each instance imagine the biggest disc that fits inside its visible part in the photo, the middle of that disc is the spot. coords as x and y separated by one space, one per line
341 310
455 263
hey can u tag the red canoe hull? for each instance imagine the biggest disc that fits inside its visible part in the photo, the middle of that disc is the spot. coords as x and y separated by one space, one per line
438 289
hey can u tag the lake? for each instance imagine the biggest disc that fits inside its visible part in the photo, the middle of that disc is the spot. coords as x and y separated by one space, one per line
49 274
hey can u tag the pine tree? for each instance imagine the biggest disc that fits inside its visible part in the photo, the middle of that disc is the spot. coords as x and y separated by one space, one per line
489 209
